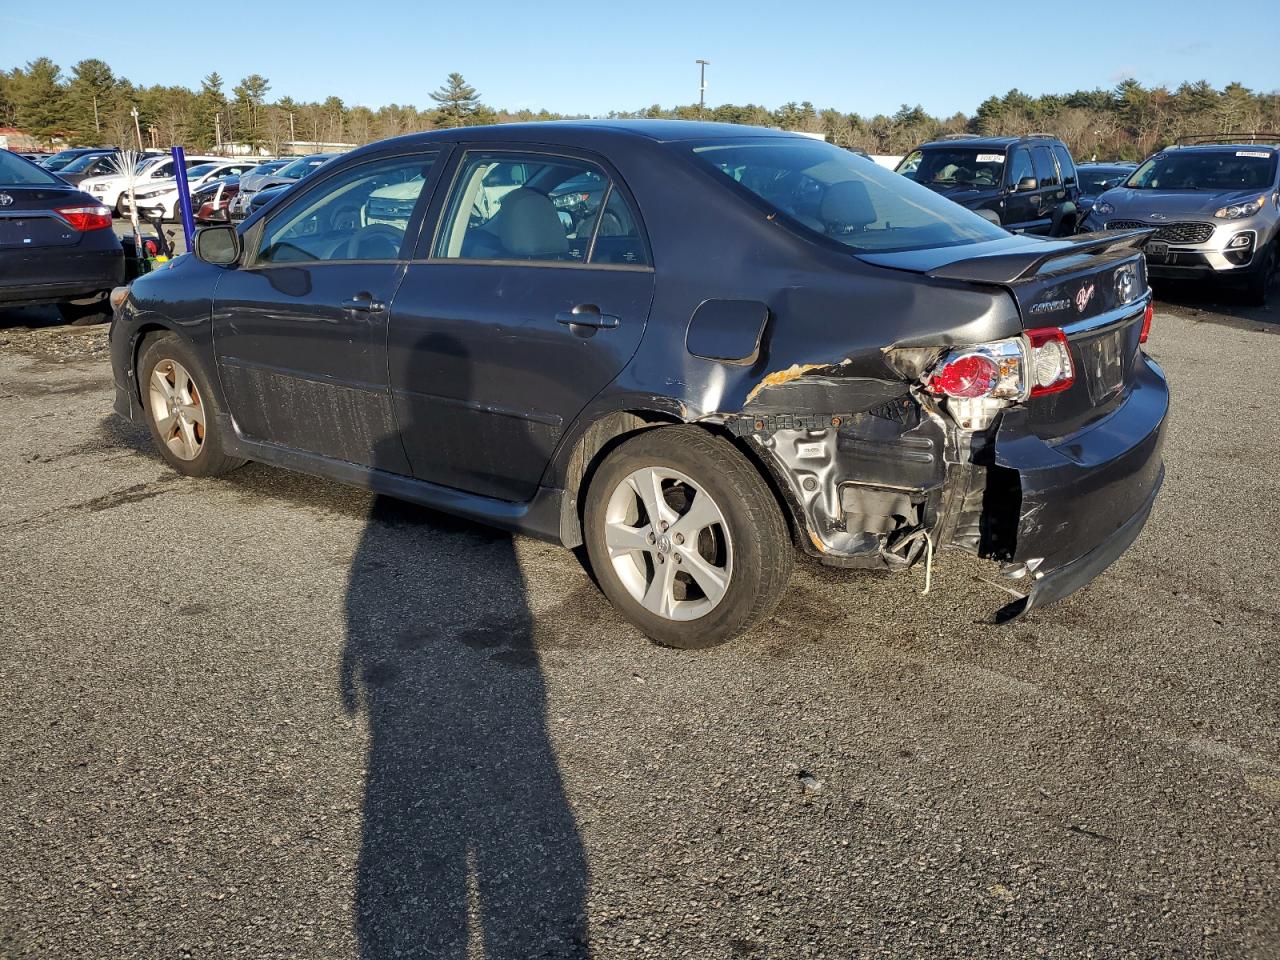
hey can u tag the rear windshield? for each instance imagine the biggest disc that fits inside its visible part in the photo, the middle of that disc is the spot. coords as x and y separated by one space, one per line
1239 168
955 166
844 196
16 172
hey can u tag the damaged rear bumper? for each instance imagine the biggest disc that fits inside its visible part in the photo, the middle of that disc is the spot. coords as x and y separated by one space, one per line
1084 497
1053 512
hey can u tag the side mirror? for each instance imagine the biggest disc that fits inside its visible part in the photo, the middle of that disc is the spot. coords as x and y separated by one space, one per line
1026 183
218 245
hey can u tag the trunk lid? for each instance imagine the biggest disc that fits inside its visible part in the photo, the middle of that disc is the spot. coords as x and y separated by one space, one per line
1093 286
27 220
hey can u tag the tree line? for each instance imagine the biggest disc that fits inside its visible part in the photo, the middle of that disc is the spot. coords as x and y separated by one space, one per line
90 104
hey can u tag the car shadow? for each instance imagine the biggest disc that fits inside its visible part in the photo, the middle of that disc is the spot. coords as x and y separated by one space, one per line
468 836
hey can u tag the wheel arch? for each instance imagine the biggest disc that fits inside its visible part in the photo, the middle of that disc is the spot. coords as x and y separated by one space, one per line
582 455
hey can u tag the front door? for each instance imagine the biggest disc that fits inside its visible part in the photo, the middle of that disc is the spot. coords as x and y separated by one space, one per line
530 299
1021 207
300 327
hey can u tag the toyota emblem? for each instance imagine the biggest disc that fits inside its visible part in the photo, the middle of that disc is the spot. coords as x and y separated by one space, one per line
5 199
1126 284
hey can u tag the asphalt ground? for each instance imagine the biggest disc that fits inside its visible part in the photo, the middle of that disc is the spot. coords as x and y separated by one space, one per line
269 716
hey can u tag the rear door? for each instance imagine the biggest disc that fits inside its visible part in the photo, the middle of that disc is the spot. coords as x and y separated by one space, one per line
1049 192
300 327
530 297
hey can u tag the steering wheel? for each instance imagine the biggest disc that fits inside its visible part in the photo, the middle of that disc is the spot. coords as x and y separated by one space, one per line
378 241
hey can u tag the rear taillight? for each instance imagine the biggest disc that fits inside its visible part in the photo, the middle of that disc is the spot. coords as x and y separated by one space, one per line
84 219
1049 361
1146 324
1034 364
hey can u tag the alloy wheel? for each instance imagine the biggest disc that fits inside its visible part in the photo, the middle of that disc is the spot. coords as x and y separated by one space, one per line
669 543
177 409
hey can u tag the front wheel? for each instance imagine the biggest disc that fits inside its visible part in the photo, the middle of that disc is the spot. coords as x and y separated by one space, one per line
1260 282
181 408
686 538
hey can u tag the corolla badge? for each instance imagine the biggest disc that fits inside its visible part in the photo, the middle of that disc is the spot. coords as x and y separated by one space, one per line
1083 296
5 199
1126 284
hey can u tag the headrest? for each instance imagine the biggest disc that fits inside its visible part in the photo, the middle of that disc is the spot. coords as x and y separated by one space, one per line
527 225
848 204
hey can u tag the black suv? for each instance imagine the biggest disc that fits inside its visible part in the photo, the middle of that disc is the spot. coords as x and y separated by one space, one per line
1025 184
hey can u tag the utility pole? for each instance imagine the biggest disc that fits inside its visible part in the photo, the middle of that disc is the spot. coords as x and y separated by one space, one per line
137 129
217 131
97 126
292 135
702 87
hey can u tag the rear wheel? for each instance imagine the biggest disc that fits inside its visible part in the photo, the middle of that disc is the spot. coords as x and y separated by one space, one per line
686 538
1261 281
181 408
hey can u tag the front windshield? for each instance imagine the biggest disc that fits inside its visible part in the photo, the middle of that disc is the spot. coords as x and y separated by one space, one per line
955 166
1216 170
195 173
844 196
1099 179
264 168
16 172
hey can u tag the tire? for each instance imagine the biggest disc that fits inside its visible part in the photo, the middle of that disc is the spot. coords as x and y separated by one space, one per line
1261 280
743 554
188 439
87 311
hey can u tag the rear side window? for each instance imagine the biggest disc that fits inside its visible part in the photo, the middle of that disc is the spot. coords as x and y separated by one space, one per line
842 196
1065 165
1046 172
538 208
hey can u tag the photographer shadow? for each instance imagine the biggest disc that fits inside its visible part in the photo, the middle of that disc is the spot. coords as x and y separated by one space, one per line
467 833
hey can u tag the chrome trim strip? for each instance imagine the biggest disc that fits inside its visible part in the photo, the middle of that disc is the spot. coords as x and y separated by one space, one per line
1116 316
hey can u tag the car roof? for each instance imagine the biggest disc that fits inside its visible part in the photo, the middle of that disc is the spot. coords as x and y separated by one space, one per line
586 133
988 141
1219 147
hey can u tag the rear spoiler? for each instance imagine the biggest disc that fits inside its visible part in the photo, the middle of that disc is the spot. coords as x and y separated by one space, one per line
1005 268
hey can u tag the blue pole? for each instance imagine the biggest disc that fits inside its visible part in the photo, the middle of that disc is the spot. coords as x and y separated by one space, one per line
184 195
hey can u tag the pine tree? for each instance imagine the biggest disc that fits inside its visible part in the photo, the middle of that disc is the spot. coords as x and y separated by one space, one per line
458 101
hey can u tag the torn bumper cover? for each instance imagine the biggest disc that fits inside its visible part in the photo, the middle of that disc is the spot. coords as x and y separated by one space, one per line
1054 512
1084 497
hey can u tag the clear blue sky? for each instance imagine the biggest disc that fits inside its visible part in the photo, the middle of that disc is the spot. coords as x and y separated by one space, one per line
592 57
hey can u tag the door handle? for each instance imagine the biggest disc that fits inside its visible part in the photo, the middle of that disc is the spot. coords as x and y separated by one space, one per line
588 315
363 303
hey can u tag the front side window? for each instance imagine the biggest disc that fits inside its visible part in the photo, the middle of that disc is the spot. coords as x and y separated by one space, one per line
1238 168
841 195
1046 173
361 214
955 167
1019 167
540 208
1065 165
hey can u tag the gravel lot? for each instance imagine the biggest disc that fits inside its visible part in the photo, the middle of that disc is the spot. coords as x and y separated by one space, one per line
268 716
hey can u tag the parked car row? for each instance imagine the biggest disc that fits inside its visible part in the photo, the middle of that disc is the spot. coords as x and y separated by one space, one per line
1214 205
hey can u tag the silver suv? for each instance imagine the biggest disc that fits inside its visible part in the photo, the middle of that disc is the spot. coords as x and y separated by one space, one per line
1216 207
